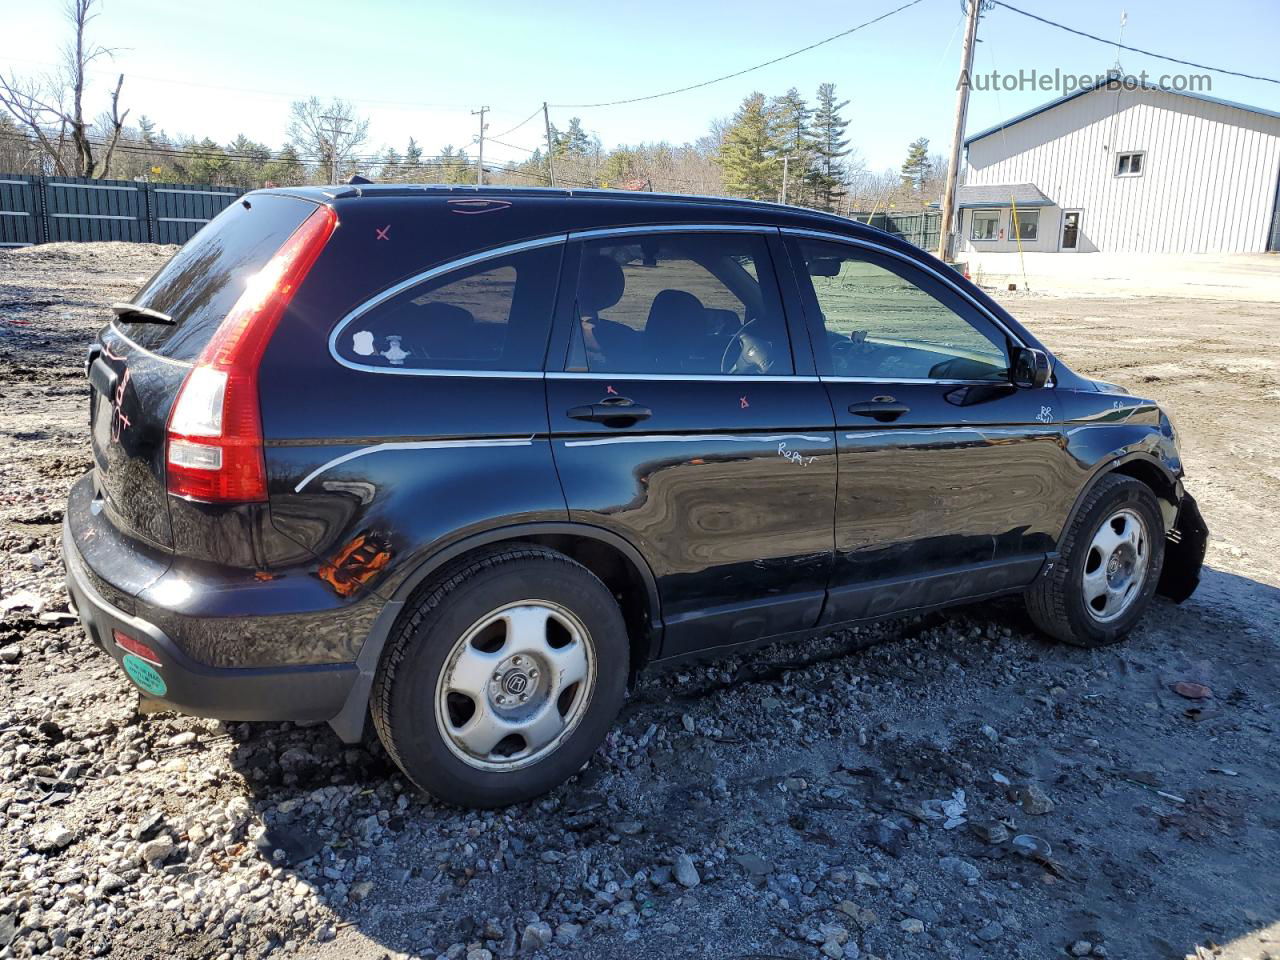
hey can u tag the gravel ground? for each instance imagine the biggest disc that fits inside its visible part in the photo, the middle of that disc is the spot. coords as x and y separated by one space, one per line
951 786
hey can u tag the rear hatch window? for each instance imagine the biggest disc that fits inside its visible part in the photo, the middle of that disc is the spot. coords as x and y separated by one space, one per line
134 389
198 287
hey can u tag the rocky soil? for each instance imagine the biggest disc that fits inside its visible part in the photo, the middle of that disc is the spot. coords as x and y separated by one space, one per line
953 786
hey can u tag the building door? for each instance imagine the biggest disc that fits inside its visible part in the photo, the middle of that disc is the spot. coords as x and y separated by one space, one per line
1071 229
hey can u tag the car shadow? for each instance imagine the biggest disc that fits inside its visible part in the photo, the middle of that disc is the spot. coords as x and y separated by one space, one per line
775 772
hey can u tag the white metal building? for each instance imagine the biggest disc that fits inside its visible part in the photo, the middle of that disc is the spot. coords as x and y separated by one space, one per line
1123 169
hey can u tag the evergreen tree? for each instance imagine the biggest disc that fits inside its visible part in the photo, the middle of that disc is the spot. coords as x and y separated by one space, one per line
147 131
792 117
455 166
206 162
830 147
247 160
915 169
749 152
574 142
151 165
285 170
411 171
391 165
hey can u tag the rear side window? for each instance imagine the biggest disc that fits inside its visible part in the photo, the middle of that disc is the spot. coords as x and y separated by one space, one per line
680 303
202 282
492 315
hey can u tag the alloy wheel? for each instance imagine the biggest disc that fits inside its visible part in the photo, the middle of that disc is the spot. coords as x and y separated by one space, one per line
1115 567
515 685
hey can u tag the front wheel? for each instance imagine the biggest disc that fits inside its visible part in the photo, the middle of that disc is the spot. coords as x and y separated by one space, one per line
1108 568
502 678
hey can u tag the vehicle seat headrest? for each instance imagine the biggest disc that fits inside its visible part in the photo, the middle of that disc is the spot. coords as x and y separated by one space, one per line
676 321
600 284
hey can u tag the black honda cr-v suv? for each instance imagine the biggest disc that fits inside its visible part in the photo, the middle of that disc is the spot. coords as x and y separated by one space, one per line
465 459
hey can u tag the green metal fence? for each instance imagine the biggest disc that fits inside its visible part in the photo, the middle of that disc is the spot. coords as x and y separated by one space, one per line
49 209
21 210
923 229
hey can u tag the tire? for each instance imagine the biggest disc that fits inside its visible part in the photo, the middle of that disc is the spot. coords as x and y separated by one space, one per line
535 618
1102 609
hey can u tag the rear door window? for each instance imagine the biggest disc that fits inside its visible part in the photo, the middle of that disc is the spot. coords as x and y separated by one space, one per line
679 303
492 315
200 285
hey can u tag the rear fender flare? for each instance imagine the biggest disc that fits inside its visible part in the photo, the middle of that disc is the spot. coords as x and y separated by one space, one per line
350 720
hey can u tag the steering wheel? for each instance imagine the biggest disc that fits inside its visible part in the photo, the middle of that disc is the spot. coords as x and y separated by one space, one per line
846 350
753 353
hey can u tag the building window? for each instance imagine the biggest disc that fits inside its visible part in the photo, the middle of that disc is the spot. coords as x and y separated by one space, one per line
1028 222
986 225
1130 164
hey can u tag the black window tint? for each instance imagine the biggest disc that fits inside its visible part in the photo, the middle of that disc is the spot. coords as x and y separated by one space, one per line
200 285
689 303
492 315
885 319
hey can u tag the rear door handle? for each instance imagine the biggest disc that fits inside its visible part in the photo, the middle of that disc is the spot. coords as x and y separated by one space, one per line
882 410
615 413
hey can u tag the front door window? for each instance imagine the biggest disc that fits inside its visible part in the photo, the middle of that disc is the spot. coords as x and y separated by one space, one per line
883 320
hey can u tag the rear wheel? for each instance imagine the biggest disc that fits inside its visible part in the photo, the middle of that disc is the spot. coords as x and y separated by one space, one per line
502 678
1108 568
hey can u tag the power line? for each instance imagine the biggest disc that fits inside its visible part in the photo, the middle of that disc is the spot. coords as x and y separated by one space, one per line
197 152
510 145
517 126
739 73
1122 46
397 167
394 168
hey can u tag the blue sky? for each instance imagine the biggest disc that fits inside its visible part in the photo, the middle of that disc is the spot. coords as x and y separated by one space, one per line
419 68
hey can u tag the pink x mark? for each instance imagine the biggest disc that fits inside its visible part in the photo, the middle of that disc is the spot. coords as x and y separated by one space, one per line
382 232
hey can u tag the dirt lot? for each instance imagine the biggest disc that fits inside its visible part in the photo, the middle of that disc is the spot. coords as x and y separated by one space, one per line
852 796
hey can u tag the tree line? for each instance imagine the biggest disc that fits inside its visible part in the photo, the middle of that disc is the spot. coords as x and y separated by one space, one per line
779 147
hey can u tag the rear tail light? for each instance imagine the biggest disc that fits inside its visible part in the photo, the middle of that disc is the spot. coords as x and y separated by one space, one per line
214 443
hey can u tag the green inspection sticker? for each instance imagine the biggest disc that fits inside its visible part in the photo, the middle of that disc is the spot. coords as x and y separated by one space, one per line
144 675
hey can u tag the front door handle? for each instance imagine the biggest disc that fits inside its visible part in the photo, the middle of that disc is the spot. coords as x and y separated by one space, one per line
882 410
619 412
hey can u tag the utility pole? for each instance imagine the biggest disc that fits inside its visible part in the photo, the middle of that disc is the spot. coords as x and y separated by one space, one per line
333 130
957 135
786 163
480 155
551 163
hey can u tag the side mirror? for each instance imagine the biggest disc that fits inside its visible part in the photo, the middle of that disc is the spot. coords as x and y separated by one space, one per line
1030 368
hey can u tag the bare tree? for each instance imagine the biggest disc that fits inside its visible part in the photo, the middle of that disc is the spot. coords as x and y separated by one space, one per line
51 110
327 133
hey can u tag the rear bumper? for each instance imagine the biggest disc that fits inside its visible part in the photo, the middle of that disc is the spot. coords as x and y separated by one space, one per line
298 693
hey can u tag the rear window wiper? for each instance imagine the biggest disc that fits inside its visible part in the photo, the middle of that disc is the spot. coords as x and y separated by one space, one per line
136 314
